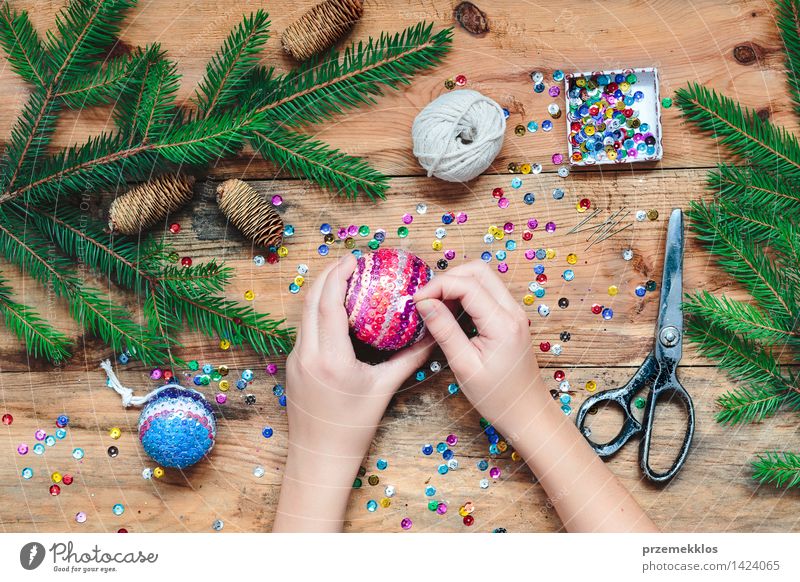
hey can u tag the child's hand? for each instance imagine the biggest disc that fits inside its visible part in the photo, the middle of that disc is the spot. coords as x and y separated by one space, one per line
334 404
497 370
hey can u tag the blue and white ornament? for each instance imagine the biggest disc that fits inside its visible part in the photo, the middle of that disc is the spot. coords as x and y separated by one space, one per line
177 426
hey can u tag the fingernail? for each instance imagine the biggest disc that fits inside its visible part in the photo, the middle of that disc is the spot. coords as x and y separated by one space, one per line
425 308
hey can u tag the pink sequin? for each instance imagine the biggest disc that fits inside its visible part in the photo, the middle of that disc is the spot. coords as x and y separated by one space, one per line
494 472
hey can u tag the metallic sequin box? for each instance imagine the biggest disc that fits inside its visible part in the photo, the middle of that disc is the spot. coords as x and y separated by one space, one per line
646 112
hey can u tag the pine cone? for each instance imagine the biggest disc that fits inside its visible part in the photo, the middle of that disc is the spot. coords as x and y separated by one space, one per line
148 203
319 28
248 211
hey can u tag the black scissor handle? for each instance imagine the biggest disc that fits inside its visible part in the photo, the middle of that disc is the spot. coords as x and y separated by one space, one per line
667 385
623 397
630 426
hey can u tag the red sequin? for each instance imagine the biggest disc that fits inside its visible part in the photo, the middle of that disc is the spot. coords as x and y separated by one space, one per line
468 520
186 261
174 228
55 490
596 308
559 375
527 235
497 192
585 203
544 346
541 278
67 479
7 419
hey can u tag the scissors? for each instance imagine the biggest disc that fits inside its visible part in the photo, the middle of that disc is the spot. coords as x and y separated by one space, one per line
658 369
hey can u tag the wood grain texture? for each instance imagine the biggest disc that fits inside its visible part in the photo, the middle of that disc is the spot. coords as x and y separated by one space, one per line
686 43
713 492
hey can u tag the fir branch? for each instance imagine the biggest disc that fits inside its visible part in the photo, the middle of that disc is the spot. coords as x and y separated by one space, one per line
237 323
22 45
743 359
738 317
29 138
152 108
772 192
40 338
228 70
769 286
99 315
780 469
304 156
86 28
100 84
741 131
203 141
116 256
761 226
321 88
789 25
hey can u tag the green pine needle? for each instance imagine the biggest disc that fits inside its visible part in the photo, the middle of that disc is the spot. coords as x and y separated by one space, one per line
789 25
21 43
779 469
740 130
304 156
40 338
229 69
328 85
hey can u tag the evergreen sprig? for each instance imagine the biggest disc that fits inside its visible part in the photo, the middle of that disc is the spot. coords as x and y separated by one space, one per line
237 102
753 229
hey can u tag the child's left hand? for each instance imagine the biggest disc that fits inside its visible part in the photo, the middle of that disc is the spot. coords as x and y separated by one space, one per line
334 401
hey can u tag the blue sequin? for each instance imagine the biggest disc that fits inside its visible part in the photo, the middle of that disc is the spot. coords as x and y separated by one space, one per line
382 464
447 218
486 256
493 450
427 449
430 491
568 275
380 236
533 126
529 198
325 228
506 113
640 291
538 269
61 433
207 368
372 505
494 438
441 447
511 245
294 288
267 432
62 420
447 455
500 255
539 292
516 182
558 75
558 194
282 400
241 384
452 388
443 469
608 313
278 390
541 254
538 88
483 464
420 375
547 125
247 375
123 358
323 250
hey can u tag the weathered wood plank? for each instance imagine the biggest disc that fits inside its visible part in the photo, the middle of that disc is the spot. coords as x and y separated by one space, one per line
712 493
697 46
623 340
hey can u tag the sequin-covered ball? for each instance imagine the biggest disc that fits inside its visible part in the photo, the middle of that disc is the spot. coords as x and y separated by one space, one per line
378 299
177 427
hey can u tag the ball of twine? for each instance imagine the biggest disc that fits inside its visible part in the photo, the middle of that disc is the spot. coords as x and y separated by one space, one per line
148 203
458 135
248 211
319 28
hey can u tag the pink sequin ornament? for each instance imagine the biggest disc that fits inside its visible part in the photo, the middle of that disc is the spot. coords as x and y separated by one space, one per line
272 369
405 523
379 298
494 472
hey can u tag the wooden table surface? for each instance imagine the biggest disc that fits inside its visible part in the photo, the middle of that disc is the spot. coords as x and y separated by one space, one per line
686 41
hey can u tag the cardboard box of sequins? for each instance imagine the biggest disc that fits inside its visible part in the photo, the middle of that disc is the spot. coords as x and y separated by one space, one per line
613 117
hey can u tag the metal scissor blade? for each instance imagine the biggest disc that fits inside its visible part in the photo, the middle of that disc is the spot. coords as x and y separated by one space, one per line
669 327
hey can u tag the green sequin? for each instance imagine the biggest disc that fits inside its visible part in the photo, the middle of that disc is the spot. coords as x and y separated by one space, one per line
363 230
639 403
402 232
373 244
193 365
432 505
666 102
357 483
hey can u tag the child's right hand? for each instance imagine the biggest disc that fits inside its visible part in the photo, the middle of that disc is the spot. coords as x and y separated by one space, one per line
496 370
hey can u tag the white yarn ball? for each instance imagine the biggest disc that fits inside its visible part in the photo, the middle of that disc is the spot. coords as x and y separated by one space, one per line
458 135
